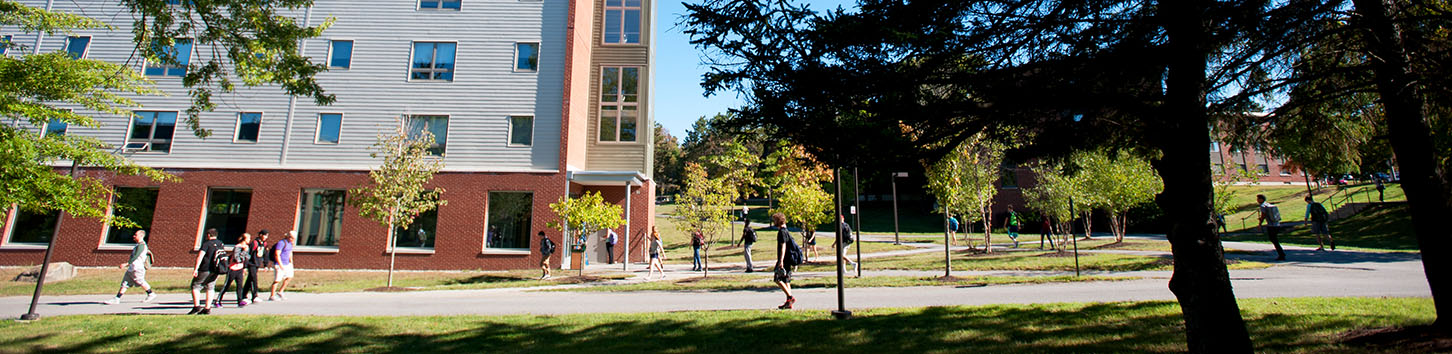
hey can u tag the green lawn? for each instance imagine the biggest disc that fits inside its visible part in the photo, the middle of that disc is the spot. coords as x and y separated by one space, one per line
678 245
106 281
1034 261
1291 200
1380 228
763 282
1276 325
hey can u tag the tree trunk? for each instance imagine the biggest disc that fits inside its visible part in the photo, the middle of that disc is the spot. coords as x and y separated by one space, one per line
1089 224
1200 281
987 230
392 248
947 241
1426 183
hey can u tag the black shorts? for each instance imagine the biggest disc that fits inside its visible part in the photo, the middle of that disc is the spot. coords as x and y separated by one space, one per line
783 274
1013 228
204 280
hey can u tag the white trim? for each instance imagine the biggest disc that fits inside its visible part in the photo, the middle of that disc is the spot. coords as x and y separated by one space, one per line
318 128
408 77
114 247
237 128
619 102
350 53
111 209
514 64
10 215
484 246
298 218
411 250
22 246
207 206
84 52
151 137
146 64
509 138
604 11
506 251
409 116
316 249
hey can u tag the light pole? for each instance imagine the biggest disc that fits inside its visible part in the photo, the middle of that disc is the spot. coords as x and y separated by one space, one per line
45 264
857 215
841 312
896 240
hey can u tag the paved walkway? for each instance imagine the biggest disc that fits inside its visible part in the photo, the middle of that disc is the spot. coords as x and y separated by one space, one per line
1310 273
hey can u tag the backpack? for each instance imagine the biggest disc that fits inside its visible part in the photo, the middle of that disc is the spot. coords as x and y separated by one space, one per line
547 247
219 260
272 253
846 234
1318 213
697 241
748 236
793 253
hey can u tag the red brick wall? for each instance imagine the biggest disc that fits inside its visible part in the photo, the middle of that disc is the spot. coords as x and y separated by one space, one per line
178 219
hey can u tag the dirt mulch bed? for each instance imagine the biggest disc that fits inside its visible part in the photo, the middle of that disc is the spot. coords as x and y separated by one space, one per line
582 279
1415 339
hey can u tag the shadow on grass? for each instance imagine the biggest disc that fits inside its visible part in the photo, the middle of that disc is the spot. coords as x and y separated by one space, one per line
1103 327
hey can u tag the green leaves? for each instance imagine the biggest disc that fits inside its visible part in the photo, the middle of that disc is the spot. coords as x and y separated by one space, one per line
966 180
704 203
396 193
586 215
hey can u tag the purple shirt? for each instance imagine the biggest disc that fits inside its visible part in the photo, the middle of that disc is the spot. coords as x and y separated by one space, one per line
285 248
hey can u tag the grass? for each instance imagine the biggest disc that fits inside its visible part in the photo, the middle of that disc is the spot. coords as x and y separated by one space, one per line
106 281
678 245
1029 261
1276 325
1291 200
1380 228
763 282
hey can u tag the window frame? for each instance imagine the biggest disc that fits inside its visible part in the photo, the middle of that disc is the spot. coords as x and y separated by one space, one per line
298 225
619 103
443 148
237 128
207 213
166 68
85 52
12 213
45 130
318 129
509 139
351 50
111 211
418 6
131 124
515 62
453 72
392 245
484 244
605 9
5 41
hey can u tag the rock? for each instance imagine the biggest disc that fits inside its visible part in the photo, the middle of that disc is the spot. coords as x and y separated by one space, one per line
59 271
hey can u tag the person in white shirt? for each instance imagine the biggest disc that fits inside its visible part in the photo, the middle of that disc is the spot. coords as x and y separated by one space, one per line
136 269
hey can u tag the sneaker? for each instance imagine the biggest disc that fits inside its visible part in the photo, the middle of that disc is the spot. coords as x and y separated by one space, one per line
149 297
281 297
254 300
205 312
216 304
1015 243
112 301
272 298
857 267
241 303
195 310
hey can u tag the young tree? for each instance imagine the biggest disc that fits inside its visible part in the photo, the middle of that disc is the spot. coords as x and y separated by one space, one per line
396 191
968 179
736 168
1119 182
584 216
1052 195
798 185
705 206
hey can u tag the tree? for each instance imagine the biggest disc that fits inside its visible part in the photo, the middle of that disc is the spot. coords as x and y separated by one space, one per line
396 191
667 161
584 216
1052 195
966 180
802 200
1120 182
704 206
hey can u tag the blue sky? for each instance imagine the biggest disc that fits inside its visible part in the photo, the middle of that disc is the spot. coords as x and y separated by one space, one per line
678 94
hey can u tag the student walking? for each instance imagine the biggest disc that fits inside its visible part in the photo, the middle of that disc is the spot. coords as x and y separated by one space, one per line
1380 190
697 241
789 256
656 248
1270 222
136 269
748 237
610 239
546 249
236 265
953 228
1046 232
847 240
210 256
1317 214
258 250
1013 224
283 272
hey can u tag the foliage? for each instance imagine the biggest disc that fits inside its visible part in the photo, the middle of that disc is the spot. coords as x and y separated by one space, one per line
798 181
1117 183
396 191
668 163
1052 195
736 166
586 215
704 205
966 180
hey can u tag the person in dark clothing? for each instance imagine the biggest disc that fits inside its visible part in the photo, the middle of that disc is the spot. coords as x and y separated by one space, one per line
846 239
1380 190
239 259
258 249
748 238
205 273
546 249
1046 233
1318 216
697 241
1270 220
783 274
610 239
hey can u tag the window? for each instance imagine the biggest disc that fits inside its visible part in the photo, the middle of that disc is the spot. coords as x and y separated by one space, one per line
420 234
248 126
619 96
135 204
432 61
55 128
31 227
509 219
521 130
1264 169
5 45
329 125
436 125
320 217
1214 146
1285 170
1007 177
440 5
227 212
526 57
340 54
181 50
77 46
622 21
151 131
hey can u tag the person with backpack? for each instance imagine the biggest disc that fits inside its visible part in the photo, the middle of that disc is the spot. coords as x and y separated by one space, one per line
1317 214
697 241
546 249
847 240
610 238
748 238
211 259
136 269
1046 232
236 263
281 254
789 256
257 250
656 249
1380 190
1270 222
953 228
1013 224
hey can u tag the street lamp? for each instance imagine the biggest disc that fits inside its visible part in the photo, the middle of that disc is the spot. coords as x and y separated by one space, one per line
895 238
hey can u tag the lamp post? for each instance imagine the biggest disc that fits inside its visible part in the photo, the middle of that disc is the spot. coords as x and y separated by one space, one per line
45 264
841 312
857 216
896 240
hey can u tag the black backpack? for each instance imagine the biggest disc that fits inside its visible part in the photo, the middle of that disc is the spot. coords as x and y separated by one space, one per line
547 247
846 234
220 260
272 253
748 236
794 255
1318 213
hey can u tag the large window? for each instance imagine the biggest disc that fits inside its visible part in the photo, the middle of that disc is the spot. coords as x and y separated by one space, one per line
151 131
227 212
521 130
622 21
526 57
56 128
135 204
440 4
421 233
432 61
249 125
32 227
619 101
437 125
340 54
180 50
509 219
77 46
330 125
320 217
